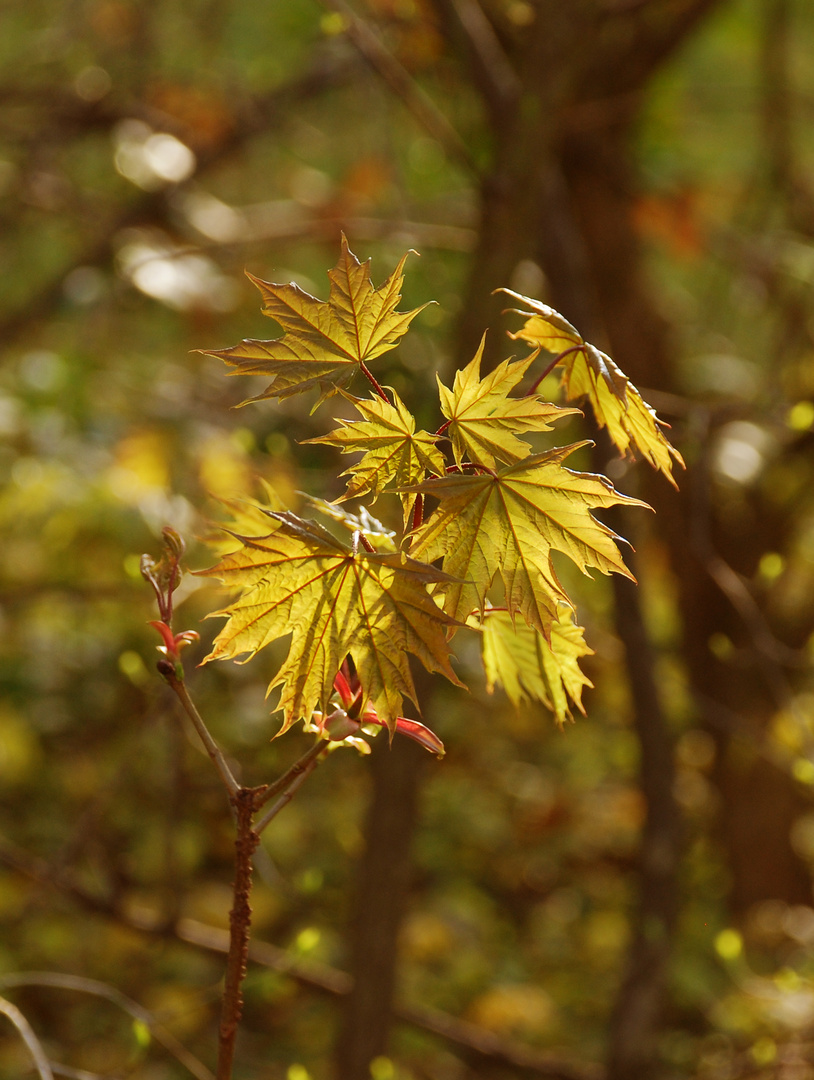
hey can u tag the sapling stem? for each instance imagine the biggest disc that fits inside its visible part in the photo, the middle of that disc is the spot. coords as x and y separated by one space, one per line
240 919
212 748
290 775
296 782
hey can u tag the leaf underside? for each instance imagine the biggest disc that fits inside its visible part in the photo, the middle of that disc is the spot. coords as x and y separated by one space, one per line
299 580
588 372
529 668
326 342
509 523
483 421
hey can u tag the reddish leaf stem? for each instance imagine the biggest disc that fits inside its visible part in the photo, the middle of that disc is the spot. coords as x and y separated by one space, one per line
290 775
560 356
418 512
366 544
168 670
439 433
291 790
371 378
472 467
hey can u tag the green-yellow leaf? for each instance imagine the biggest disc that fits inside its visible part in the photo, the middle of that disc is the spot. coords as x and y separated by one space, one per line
326 342
395 454
249 518
483 420
529 668
333 601
509 523
363 523
588 372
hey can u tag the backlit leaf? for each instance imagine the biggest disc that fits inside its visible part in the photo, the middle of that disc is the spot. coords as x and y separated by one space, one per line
484 420
588 372
326 342
529 668
363 523
395 455
509 523
333 601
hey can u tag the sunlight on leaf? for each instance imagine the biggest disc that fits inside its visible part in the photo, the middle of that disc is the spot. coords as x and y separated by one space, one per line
529 668
587 372
326 342
395 455
299 580
483 419
364 523
509 523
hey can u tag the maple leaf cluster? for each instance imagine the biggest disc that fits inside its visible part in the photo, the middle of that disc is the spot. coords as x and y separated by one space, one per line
498 512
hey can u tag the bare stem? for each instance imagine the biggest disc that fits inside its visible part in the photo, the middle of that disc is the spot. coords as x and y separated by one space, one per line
290 775
289 793
240 918
212 748
109 993
418 512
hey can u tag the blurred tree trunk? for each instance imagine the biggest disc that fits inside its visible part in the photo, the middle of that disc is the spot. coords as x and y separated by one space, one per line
759 801
562 97
560 195
382 884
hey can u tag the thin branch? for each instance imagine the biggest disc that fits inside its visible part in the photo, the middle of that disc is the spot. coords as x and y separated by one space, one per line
109 993
404 86
212 748
736 591
240 920
490 66
29 1038
262 114
290 791
291 774
59 1069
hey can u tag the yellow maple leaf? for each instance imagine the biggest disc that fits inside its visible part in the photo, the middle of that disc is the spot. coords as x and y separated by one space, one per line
483 421
334 601
509 523
326 342
589 372
531 668
395 454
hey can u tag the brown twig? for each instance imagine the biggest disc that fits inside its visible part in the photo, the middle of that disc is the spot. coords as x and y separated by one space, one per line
212 748
240 919
466 1037
291 774
296 782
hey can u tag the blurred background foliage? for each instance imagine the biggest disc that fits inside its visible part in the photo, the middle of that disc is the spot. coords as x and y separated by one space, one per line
629 898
